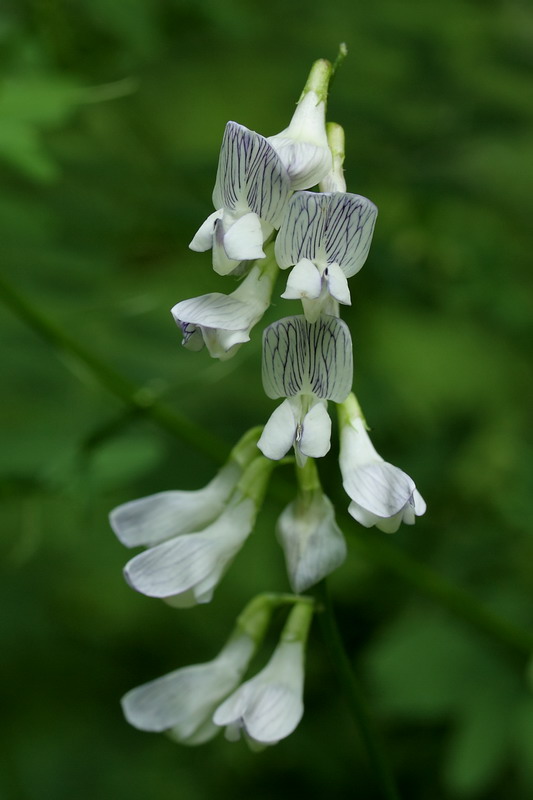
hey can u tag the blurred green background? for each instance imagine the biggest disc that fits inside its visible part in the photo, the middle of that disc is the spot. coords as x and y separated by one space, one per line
111 117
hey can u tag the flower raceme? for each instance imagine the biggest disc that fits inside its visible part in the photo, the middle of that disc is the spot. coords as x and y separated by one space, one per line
381 494
308 364
183 702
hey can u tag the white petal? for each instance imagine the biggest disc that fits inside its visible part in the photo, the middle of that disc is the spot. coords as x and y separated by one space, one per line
349 228
184 700
306 163
278 434
214 310
312 541
327 228
244 239
192 336
250 176
203 238
338 284
309 358
366 518
304 281
380 488
420 503
180 698
315 440
275 714
158 517
302 228
194 561
222 263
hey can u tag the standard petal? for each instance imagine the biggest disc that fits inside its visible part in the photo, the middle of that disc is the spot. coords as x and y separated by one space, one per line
178 700
302 229
304 281
214 310
244 239
300 357
275 714
380 488
194 561
348 230
250 176
278 434
327 228
158 517
306 163
315 440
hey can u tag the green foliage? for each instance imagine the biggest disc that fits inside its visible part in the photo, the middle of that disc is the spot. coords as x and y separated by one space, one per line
111 115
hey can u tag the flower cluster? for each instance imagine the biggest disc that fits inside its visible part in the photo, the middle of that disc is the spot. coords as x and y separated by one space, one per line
268 217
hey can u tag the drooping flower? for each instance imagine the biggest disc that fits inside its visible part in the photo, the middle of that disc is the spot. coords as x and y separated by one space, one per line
311 539
251 189
381 494
182 702
223 322
186 569
269 707
309 364
154 519
303 146
325 237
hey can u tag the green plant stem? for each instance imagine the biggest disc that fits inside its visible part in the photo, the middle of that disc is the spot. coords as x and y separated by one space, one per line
354 696
374 547
135 398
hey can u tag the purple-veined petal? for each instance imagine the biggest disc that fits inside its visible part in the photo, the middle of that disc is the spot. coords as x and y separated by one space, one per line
326 229
250 176
300 357
215 310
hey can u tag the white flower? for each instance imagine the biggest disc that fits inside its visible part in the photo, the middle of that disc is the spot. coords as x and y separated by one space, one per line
251 189
165 515
308 363
183 701
186 569
223 322
303 146
269 706
326 238
311 539
381 494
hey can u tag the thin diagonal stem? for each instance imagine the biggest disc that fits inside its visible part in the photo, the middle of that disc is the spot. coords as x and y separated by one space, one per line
379 551
132 395
354 696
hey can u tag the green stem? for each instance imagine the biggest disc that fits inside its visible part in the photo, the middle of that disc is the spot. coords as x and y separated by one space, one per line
133 396
375 548
354 696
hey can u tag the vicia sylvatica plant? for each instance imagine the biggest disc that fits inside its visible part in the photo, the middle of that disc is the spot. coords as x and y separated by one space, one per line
268 217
